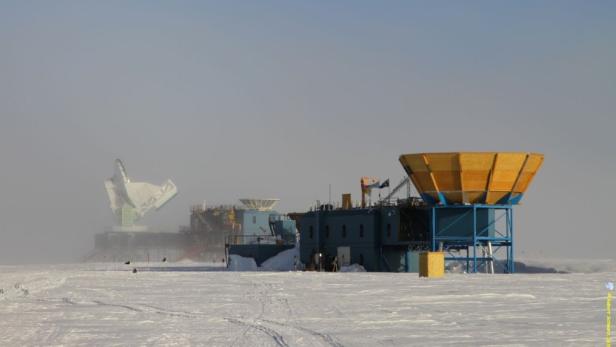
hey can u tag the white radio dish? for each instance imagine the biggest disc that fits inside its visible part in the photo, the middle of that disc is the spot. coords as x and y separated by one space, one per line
260 204
129 201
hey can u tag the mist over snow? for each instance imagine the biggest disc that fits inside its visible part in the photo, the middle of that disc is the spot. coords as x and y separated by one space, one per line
282 99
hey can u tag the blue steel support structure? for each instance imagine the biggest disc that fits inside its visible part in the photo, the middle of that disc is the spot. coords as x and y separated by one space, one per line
510 226
450 237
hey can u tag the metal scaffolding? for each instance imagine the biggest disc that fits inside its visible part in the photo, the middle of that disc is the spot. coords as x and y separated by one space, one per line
482 242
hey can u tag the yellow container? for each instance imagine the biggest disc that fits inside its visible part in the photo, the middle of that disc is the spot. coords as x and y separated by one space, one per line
431 264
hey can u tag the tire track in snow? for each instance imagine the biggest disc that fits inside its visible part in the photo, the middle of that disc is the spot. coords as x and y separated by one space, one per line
145 308
131 308
140 307
53 335
265 295
325 337
275 335
254 294
258 292
172 313
286 305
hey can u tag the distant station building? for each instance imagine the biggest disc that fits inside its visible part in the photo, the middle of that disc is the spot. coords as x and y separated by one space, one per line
252 230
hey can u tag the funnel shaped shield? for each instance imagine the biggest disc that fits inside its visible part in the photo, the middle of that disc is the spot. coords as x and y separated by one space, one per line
471 177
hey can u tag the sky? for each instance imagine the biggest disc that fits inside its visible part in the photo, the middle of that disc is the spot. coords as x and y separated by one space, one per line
236 99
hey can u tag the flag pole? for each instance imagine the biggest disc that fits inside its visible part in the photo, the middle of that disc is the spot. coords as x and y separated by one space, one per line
608 314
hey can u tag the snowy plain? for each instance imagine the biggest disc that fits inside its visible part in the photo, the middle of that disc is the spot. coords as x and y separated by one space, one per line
108 305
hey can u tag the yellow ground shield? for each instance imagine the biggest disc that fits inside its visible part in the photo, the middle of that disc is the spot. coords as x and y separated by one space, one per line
472 177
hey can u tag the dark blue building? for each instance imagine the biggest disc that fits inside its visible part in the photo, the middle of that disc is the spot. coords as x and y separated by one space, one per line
388 237
377 238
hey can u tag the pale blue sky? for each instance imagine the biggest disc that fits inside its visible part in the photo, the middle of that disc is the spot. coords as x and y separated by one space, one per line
279 99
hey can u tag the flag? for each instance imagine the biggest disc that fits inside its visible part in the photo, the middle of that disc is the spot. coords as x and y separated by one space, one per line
385 184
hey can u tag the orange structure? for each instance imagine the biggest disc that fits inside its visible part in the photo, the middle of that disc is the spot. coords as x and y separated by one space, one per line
471 177
367 184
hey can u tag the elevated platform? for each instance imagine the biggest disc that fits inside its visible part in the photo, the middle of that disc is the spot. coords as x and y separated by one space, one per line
483 232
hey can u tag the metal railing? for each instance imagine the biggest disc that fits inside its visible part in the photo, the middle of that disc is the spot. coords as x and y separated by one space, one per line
253 240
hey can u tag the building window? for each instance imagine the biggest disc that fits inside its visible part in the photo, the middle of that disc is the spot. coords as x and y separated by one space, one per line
310 232
327 231
361 230
361 259
388 230
344 231
254 219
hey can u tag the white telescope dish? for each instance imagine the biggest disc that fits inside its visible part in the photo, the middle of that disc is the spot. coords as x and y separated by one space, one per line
130 201
260 204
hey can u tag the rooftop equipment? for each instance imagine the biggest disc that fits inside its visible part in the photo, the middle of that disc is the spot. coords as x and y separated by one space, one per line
347 203
403 183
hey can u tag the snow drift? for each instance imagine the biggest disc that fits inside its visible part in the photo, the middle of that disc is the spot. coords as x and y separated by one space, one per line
283 261
238 263
352 268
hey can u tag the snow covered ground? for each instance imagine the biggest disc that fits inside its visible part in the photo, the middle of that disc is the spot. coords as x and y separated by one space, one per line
102 304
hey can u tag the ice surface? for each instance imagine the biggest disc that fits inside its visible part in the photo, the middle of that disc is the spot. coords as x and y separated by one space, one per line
107 305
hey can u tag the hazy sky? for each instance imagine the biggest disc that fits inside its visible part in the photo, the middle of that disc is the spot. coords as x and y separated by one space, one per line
279 99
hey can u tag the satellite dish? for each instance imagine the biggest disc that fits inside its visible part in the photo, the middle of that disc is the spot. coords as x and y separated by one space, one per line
130 201
259 204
